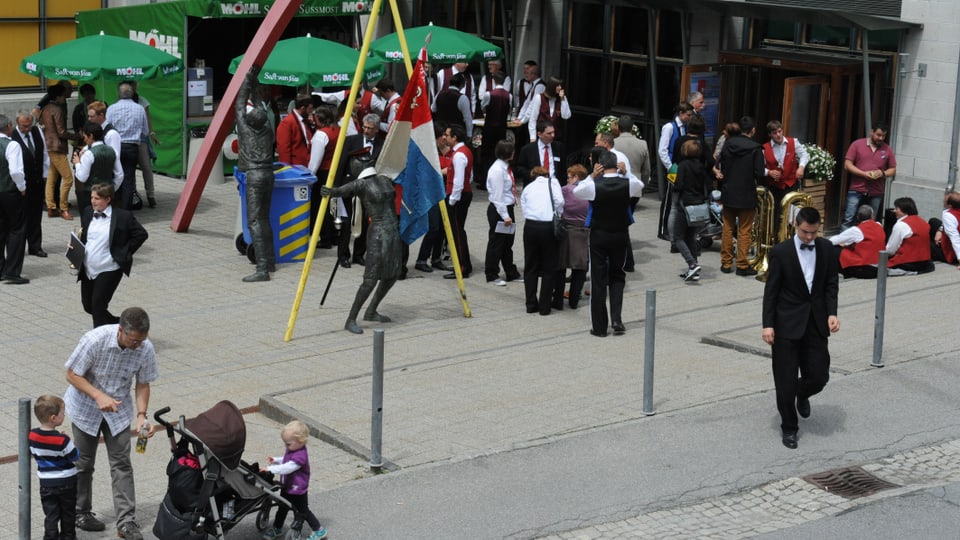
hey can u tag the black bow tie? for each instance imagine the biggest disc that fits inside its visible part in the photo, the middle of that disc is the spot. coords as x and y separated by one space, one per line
98 215
370 142
807 246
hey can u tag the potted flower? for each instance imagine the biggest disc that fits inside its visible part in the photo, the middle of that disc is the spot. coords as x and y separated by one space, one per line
606 124
822 164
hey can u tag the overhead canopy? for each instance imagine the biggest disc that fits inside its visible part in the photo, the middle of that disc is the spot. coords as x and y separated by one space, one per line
820 15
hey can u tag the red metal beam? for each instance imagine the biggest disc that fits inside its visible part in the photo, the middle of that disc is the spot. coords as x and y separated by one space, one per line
270 30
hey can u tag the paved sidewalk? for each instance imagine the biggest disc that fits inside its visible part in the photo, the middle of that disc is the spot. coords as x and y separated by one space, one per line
455 388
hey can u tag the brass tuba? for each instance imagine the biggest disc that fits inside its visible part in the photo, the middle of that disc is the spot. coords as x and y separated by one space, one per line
764 235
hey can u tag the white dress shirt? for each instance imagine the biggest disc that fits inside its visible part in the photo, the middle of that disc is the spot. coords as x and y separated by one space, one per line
459 174
98 257
82 170
318 146
666 133
780 153
586 189
14 155
535 199
500 187
533 111
950 231
808 261
901 231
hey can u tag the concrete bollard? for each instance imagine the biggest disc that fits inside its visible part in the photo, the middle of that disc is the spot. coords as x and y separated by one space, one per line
648 349
376 409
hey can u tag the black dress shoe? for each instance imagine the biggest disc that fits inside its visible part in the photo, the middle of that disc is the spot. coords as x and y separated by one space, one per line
344 262
746 271
598 334
440 266
618 328
423 267
790 440
39 253
726 269
16 280
803 407
358 259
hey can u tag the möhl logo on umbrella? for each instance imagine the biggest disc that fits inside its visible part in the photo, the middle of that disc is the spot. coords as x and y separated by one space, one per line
130 71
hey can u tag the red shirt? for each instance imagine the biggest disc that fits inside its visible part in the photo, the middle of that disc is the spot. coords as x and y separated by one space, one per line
866 158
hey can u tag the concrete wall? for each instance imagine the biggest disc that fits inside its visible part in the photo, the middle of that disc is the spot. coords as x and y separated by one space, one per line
925 121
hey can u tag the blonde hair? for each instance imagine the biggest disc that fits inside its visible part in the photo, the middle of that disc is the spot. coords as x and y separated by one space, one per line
298 430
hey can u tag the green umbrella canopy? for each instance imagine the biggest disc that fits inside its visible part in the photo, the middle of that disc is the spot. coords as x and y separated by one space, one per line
314 61
447 46
101 56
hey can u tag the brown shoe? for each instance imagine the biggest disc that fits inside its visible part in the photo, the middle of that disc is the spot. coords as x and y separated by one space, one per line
66 215
53 212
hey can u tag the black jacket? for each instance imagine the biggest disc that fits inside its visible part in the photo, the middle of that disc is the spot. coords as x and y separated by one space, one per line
787 304
531 157
126 236
692 182
741 162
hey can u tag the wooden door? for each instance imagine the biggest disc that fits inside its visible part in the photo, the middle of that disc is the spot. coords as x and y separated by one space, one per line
805 108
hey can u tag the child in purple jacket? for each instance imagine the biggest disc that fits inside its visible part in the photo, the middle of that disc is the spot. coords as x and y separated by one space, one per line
294 471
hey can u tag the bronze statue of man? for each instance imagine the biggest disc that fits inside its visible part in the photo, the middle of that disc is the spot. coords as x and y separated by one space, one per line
377 194
255 138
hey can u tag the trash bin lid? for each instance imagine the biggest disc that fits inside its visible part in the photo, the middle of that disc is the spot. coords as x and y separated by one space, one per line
292 174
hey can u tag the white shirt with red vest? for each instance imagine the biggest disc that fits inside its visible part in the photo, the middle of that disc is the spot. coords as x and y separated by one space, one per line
390 112
443 82
461 174
951 230
785 157
533 112
909 241
862 244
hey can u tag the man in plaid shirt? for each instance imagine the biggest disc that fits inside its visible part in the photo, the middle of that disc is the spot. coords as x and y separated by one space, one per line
100 370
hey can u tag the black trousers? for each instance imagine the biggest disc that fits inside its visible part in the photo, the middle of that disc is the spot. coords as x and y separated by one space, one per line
431 246
540 263
458 221
12 233
129 154
60 511
300 505
499 248
35 207
810 356
608 253
95 294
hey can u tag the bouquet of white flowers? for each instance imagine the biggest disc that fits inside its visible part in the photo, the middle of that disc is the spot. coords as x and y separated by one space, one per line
605 124
821 166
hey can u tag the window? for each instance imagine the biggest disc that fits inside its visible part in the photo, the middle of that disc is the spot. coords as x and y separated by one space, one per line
670 35
630 30
586 26
828 35
629 85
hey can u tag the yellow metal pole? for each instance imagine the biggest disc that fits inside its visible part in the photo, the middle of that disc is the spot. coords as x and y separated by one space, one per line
454 257
324 204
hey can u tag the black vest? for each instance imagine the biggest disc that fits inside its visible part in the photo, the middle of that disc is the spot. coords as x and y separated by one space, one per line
32 161
611 206
6 181
447 110
101 172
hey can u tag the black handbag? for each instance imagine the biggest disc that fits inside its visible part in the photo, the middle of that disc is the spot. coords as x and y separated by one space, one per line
559 225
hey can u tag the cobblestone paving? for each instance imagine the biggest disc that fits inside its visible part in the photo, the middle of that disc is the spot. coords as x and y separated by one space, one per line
781 504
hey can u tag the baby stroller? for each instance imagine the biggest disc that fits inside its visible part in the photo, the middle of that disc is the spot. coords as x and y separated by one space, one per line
714 227
210 488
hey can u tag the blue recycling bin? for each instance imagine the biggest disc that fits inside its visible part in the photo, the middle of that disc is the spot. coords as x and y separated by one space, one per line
289 212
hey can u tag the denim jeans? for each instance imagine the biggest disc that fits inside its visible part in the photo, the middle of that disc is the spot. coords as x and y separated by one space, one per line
854 200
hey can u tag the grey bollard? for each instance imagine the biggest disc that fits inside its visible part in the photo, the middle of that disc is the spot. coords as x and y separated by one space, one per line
878 316
23 462
648 349
376 409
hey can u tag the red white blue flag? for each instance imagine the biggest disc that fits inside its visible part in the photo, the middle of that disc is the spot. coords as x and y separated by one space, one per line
410 157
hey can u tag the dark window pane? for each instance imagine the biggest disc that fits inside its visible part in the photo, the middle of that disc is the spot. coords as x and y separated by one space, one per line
668 90
780 30
828 35
586 22
884 40
628 85
630 30
669 36
582 85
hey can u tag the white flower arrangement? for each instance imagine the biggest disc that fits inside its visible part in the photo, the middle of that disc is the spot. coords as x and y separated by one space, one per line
606 123
822 165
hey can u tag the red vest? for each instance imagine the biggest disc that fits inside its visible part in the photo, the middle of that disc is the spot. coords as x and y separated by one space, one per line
788 175
364 108
867 251
392 104
332 133
467 174
945 244
546 114
917 247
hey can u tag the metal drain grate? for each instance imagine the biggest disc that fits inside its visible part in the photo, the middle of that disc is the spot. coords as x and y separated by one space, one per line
849 482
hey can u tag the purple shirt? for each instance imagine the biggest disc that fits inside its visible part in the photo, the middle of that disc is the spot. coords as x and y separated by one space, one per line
866 159
574 208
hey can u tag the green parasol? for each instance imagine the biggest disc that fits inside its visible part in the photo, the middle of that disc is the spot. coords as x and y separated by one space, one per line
447 46
101 57
314 61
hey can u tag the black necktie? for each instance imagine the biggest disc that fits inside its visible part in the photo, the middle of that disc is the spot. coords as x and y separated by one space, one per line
98 215
807 246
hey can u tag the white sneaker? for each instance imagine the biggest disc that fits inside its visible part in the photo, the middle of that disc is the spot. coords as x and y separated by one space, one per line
692 273
498 282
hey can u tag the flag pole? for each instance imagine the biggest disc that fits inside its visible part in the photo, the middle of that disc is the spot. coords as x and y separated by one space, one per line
444 216
331 176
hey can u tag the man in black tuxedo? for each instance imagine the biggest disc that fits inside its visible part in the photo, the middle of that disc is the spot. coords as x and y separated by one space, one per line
799 313
36 164
111 235
367 142
544 152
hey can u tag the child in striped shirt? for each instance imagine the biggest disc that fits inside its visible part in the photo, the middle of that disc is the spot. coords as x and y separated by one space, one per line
56 457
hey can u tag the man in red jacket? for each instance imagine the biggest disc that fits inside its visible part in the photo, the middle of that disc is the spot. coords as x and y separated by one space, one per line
909 242
294 133
784 158
860 246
